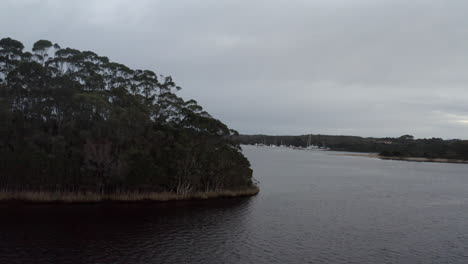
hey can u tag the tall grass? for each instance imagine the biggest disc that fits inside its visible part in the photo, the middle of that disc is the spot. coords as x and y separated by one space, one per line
83 197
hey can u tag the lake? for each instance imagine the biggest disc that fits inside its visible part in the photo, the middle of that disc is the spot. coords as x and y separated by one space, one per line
314 207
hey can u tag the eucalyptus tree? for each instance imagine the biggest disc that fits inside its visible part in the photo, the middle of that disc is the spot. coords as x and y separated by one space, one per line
75 120
11 53
41 49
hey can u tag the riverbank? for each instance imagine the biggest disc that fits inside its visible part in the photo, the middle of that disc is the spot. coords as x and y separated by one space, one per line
414 159
92 197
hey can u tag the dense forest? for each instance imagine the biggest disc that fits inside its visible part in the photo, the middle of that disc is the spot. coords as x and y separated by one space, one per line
73 121
404 146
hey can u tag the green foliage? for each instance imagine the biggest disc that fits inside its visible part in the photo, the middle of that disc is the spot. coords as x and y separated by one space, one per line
41 45
73 120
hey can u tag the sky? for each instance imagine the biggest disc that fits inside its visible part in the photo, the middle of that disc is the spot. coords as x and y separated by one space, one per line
282 67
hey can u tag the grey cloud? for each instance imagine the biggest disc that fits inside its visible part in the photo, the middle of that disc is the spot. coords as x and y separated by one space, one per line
362 67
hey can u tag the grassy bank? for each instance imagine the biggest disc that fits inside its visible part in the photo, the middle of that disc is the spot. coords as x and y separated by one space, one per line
71 197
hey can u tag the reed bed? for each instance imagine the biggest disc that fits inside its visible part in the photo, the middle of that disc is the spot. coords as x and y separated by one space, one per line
85 197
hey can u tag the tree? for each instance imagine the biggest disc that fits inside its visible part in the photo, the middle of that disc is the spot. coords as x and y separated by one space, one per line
40 49
74 120
406 137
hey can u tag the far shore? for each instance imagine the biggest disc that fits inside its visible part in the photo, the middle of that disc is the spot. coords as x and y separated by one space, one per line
93 197
414 159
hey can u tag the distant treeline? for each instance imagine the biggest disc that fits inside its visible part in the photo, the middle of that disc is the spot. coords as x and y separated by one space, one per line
404 146
73 121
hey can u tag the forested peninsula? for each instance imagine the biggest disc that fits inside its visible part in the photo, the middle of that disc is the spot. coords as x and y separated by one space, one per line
75 126
405 147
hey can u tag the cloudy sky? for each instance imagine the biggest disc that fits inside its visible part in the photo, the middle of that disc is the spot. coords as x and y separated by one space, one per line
354 67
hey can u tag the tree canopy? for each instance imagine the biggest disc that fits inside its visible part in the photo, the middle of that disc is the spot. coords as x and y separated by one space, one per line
74 120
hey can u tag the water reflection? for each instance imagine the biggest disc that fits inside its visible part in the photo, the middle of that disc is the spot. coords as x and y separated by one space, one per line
110 233
312 208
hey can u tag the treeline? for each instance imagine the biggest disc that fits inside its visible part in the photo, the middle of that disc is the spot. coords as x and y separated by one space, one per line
74 121
404 146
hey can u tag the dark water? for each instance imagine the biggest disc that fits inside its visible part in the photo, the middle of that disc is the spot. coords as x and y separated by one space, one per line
314 207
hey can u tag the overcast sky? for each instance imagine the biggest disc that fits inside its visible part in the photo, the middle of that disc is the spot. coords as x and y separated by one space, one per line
354 67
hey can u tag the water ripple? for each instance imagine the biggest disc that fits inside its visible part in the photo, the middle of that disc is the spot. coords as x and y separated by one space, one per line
313 208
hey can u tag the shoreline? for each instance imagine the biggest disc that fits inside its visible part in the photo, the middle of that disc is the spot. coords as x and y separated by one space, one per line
411 159
93 197
416 159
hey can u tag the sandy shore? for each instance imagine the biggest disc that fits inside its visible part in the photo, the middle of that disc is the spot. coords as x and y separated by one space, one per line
89 197
415 159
